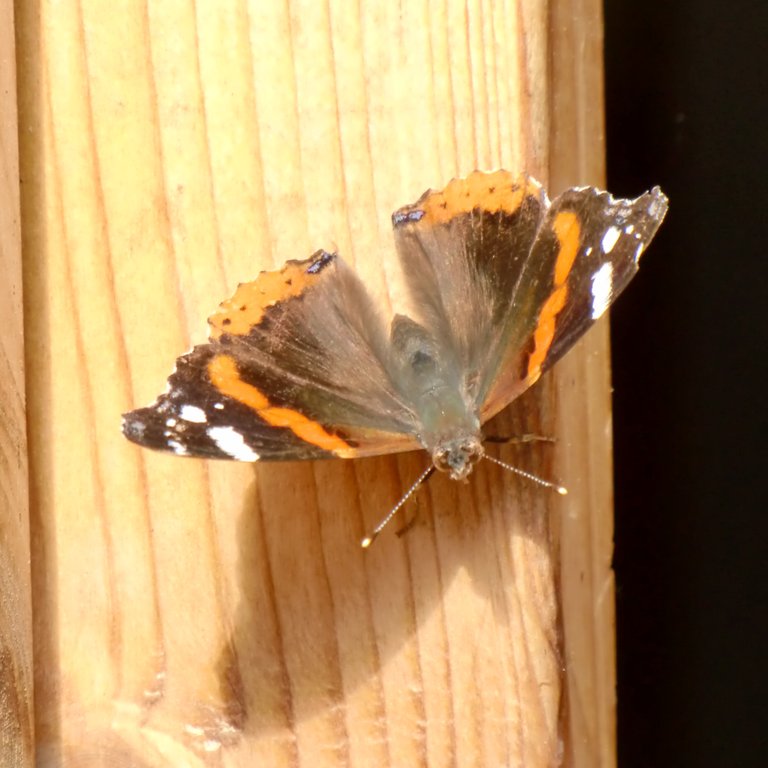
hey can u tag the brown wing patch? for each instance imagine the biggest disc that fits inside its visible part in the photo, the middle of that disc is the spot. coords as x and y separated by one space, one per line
239 314
489 192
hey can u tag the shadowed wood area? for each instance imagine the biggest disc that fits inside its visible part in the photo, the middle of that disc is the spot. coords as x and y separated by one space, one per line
16 700
199 613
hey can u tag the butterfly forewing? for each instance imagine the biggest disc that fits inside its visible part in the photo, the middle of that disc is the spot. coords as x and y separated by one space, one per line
292 370
585 253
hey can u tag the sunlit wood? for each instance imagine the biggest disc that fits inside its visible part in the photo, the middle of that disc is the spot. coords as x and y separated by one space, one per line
192 613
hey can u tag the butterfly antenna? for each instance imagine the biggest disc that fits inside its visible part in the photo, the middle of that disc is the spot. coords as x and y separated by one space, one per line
563 491
423 477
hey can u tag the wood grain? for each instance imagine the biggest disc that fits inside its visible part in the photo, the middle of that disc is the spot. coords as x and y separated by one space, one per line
583 389
16 699
192 613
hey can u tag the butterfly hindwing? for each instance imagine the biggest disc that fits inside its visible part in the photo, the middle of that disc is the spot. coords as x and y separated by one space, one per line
463 251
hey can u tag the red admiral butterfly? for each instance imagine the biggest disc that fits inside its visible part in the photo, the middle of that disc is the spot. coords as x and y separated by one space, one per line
301 365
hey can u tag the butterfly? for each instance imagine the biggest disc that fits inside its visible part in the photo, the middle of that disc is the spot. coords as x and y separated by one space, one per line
302 364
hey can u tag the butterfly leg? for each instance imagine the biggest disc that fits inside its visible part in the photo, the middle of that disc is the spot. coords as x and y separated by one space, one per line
519 440
410 523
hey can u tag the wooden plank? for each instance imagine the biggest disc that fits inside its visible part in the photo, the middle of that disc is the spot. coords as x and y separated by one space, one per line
584 418
194 614
16 699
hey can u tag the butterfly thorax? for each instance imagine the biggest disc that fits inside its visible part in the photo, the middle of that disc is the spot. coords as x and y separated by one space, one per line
450 430
432 381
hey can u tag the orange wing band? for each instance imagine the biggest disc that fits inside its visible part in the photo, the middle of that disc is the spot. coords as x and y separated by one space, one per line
224 375
568 232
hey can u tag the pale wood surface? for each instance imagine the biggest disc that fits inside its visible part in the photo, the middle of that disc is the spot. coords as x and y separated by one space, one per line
218 614
16 699
584 418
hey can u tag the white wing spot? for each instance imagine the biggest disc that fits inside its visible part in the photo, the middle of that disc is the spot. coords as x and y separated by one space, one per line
193 413
610 238
629 229
639 251
177 447
588 250
231 442
219 406
602 289
170 422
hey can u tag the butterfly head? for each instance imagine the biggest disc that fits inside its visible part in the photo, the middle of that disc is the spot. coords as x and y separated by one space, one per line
458 456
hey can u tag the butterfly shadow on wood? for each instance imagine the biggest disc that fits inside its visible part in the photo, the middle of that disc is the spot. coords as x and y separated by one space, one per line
321 622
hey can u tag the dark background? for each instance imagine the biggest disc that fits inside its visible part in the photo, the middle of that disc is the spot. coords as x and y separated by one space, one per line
687 108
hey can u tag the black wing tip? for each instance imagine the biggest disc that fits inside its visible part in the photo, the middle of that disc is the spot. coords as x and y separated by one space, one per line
146 427
149 429
135 427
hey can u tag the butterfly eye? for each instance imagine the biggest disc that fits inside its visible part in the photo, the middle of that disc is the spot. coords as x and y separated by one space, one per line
440 460
458 457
